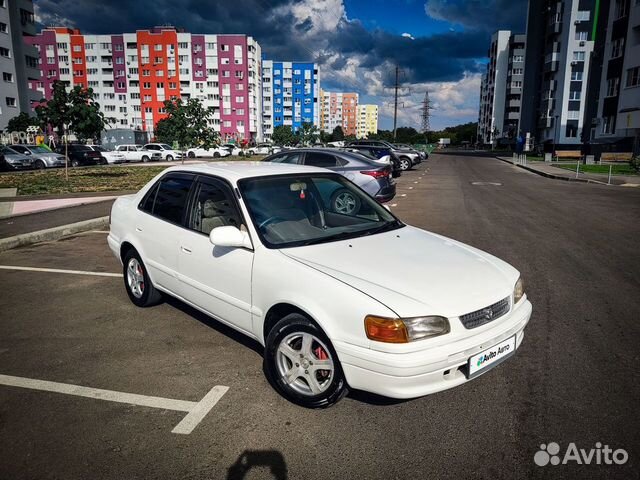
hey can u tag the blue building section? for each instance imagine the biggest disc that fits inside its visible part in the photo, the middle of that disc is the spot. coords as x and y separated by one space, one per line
300 94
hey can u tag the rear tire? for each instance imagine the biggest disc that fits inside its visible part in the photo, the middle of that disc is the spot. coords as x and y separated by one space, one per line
145 158
405 164
216 154
292 347
345 202
137 282
191 155
75 163
40 165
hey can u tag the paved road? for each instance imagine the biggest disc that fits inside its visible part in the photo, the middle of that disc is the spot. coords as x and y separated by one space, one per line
575 378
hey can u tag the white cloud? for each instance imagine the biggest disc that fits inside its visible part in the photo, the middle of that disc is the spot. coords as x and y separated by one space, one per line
408 35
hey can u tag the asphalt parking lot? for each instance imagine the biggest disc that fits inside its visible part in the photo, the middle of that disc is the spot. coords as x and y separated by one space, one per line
574 379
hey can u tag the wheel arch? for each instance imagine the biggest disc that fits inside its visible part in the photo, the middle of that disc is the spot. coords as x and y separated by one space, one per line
280 310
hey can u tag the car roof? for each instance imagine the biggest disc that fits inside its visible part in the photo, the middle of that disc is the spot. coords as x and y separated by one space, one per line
246 169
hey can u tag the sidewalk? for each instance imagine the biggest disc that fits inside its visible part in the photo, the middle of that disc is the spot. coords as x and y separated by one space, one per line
551 171
44 220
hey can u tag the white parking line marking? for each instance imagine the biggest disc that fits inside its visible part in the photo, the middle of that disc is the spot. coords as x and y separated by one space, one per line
200 410
403 194
58 270
394 204
196 411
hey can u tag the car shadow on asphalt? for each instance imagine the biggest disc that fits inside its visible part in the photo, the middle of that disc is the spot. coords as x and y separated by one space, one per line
249 459
215 324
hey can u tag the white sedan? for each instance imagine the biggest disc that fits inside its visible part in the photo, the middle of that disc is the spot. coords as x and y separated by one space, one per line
339 301
213 152
110 156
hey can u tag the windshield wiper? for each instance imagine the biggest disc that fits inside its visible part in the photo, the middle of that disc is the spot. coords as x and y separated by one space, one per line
383 228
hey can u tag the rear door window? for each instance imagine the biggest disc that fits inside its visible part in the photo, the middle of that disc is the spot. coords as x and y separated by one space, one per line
319 159
171 198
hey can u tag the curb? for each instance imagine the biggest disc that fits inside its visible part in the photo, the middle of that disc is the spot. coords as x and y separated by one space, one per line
54 233
13 215
551 175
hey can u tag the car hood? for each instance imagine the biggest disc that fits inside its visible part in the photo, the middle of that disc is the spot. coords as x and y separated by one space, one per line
414 272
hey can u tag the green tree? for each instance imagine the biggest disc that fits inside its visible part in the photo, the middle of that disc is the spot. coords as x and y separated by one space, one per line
186 124
21 122
324 136
282 135
75 108
308 133
337 134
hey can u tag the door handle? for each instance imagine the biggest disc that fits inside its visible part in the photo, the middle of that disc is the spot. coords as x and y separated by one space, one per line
185 250
138 229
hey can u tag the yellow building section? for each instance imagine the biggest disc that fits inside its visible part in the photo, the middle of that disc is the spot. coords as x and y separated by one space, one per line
367 120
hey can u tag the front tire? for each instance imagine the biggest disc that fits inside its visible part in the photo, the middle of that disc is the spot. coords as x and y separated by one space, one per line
39 165
75 163
169 158
216 154
302 365
145 158
137 282
191 155
405 164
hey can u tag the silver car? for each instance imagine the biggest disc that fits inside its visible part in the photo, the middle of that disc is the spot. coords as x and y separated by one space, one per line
12 160
372 176
42 158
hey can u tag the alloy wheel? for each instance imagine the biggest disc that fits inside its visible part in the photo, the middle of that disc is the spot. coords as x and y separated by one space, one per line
135 278
344 203
304 363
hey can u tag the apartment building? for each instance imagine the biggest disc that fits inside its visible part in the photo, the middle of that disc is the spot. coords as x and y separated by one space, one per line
290 95
367 120
501 89
556 74
338 109
18 60
132 74
618 111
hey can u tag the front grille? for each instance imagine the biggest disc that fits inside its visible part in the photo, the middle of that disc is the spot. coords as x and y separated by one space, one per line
485 315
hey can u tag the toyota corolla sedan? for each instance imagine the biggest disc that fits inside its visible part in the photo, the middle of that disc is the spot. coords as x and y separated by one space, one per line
339 300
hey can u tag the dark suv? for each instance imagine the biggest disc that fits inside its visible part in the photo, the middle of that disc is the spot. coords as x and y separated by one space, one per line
408 157
81 155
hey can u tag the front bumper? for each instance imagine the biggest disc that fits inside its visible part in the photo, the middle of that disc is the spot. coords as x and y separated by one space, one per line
410 375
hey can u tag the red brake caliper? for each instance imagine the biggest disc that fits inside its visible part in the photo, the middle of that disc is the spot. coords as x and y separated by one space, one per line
321 355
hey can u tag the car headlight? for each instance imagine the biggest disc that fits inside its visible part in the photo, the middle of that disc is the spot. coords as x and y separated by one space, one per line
404 330
518 291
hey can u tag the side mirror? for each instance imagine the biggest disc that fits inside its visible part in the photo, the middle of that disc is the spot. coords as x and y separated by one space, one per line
230 237
27 152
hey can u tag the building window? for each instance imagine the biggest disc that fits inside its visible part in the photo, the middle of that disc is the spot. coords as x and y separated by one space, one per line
608 124
617 47
571 131
583 16
578 56
575 95
224 48
517 71
612 87
576 76
620 9
4 52
633 77
582 36
7 77
3 27
11 102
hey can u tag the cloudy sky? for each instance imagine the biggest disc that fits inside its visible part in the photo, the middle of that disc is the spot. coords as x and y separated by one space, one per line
440 45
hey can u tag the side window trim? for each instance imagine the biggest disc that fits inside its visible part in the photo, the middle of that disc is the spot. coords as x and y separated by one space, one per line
224 185
156 187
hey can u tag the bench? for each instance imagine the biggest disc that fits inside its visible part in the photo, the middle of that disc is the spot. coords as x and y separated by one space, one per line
616 156
568 154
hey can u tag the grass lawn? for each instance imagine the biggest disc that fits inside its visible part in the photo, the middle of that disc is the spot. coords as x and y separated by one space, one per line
84 179
622 169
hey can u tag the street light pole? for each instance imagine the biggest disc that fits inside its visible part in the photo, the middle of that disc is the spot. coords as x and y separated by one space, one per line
66 152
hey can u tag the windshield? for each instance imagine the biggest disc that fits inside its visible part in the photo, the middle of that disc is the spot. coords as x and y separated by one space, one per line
296 210
39 150
164 146
100 149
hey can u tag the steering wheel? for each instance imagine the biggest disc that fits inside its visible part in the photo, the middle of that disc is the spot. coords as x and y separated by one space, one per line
268 221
